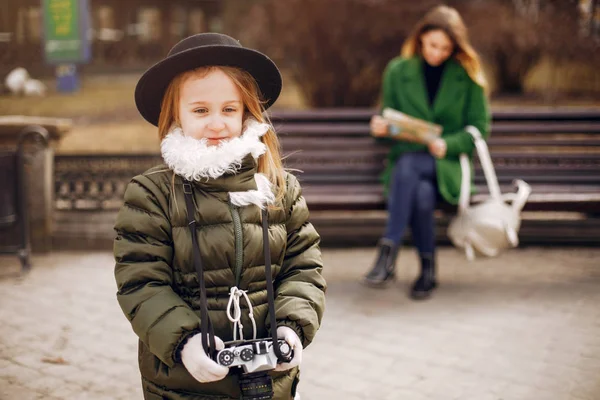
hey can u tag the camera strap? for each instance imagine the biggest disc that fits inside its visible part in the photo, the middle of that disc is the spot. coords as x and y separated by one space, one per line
206 327
270 290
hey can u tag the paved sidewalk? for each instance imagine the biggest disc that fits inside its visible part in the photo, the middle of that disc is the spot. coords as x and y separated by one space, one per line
525 326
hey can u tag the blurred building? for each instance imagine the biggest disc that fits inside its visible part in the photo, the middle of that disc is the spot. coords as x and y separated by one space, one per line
125 34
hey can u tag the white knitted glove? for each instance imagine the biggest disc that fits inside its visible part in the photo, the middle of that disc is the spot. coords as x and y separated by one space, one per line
288 334
198 364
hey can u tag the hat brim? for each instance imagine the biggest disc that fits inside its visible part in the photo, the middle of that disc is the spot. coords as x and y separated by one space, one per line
152 85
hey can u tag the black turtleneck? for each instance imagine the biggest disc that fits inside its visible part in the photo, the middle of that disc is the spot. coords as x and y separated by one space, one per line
433 76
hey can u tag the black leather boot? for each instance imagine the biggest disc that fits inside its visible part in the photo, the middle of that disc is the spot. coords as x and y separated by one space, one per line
383 270
426 282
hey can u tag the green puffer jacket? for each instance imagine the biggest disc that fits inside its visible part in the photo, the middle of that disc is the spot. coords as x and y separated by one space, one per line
158 286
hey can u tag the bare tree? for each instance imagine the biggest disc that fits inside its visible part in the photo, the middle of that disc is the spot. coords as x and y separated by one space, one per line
529 9
590 20
514 36
336 50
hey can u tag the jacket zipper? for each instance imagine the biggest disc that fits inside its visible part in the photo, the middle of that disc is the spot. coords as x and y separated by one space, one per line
239 243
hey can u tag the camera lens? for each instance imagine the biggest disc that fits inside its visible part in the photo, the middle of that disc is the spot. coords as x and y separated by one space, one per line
258 386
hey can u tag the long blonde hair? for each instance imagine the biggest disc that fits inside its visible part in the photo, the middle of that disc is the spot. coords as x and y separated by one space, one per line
269 163
448 20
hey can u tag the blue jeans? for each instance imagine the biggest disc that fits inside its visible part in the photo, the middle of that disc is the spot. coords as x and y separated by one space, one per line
413 196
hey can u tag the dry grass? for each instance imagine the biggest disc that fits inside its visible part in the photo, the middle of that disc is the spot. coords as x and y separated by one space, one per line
124 137
97 97
565 77
104 115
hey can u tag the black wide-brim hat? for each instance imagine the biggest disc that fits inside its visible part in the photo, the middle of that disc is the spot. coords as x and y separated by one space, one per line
201 50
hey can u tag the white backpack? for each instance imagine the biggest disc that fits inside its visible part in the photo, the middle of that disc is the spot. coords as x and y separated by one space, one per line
491 225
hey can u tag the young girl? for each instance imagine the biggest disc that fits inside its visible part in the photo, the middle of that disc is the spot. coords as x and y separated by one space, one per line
207 98
438 78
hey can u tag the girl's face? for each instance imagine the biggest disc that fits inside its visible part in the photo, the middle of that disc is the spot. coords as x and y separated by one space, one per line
210 107
436 46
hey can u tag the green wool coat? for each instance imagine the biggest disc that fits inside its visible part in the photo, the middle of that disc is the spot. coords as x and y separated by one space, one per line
158 285
459 102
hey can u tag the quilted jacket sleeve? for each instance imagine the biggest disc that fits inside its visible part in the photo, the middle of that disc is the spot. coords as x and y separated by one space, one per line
143 252
300 287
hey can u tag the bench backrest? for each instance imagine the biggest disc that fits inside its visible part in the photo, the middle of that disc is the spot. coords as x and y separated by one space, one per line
338 158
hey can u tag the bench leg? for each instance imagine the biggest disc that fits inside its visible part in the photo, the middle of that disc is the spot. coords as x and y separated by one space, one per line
25 261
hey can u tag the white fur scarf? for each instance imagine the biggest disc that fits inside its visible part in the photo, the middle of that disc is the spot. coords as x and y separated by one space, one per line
260 197
194 160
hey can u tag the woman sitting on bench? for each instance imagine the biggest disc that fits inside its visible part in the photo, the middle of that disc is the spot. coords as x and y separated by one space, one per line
438 78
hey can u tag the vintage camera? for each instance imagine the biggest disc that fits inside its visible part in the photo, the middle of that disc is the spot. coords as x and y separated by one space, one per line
253 355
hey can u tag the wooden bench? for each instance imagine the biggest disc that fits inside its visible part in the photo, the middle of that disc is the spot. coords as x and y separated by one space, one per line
556 151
